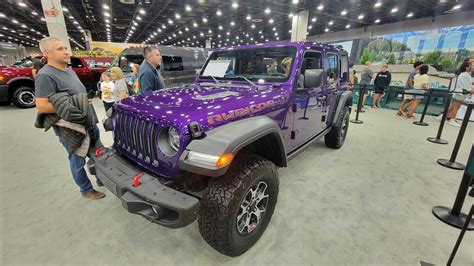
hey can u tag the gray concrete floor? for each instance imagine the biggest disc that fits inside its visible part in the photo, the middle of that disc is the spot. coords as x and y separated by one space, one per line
367 203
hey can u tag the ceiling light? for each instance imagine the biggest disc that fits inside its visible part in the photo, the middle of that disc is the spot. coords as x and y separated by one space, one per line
133 27
249 17
163 26
107 14
204 20
71 17
378 4
188 8
313 20
201 34
267 11
170 22
186 29
456 7
235 5
105 6
220 27
331 22
232 23
361 16
270 21
253 26
106 20
343 12
195 25
326 29
310 27
22 4
2 15
410 15
295 2
290 15
177 16
42 19
34 13
65 9
139 18
219 13
159 30
75 22
320 7
15 21
377 21
348 26
228 33
394 10
134 23
290 31
142 11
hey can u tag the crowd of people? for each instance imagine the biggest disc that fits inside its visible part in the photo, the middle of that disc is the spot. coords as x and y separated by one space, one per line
416 87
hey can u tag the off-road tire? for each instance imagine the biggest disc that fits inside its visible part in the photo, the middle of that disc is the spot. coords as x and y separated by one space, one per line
336 137
21 97
221 204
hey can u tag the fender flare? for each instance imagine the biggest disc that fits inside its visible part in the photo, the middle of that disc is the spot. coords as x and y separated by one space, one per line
231 138
20 79
344 100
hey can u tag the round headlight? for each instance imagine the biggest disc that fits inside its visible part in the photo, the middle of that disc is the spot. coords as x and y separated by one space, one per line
173 138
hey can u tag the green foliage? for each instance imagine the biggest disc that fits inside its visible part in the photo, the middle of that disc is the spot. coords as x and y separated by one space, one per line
391 59
408 61
432 58
447 63
366 56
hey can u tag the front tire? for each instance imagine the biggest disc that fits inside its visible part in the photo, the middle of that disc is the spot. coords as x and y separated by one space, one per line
24 97
336 137
238 206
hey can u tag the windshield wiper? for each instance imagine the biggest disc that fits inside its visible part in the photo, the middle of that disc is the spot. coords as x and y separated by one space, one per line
246 79
217 81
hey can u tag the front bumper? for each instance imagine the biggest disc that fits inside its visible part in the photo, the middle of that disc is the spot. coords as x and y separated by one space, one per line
151 199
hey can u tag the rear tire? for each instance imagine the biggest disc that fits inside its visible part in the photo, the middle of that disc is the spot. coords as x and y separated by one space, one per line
336 137
24 97
238 206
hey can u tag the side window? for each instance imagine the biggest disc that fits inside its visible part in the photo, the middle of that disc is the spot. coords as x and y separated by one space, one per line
333 68
76 63
312 60
172 63
345 68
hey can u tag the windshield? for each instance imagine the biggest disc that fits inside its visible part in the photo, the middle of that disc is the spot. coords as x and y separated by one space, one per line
125 62
271 64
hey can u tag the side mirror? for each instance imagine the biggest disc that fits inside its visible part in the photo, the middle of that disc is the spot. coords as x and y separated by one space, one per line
313 78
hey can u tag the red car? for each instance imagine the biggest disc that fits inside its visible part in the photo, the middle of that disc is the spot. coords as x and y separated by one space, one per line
17 83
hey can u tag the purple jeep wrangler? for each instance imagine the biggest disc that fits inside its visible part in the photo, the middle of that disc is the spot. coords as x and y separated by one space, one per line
210 150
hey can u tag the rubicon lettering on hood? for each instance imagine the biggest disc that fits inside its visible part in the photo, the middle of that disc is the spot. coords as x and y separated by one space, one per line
254 108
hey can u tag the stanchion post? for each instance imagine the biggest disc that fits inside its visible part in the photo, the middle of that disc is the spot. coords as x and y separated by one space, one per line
451 163
461 235
453 216
359 106
438 139
421 123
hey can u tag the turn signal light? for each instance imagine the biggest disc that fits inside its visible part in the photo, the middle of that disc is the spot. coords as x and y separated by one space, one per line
1 78
224 160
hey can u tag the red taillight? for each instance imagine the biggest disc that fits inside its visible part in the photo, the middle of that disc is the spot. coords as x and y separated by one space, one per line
98 152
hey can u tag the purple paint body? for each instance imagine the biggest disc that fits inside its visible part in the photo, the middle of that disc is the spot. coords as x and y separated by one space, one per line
139 119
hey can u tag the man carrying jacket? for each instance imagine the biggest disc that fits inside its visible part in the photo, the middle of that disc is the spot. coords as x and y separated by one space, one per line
149 77
56 78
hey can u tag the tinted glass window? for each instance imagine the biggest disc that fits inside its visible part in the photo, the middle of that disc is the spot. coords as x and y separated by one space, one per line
173 63
76 63
127 61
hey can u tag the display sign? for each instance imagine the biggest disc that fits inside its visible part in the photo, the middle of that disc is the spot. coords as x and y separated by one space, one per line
216 68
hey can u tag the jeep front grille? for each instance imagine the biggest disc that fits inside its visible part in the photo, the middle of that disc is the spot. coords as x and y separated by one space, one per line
137 137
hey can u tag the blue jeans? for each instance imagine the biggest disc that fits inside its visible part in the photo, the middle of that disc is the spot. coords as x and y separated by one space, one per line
77 163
